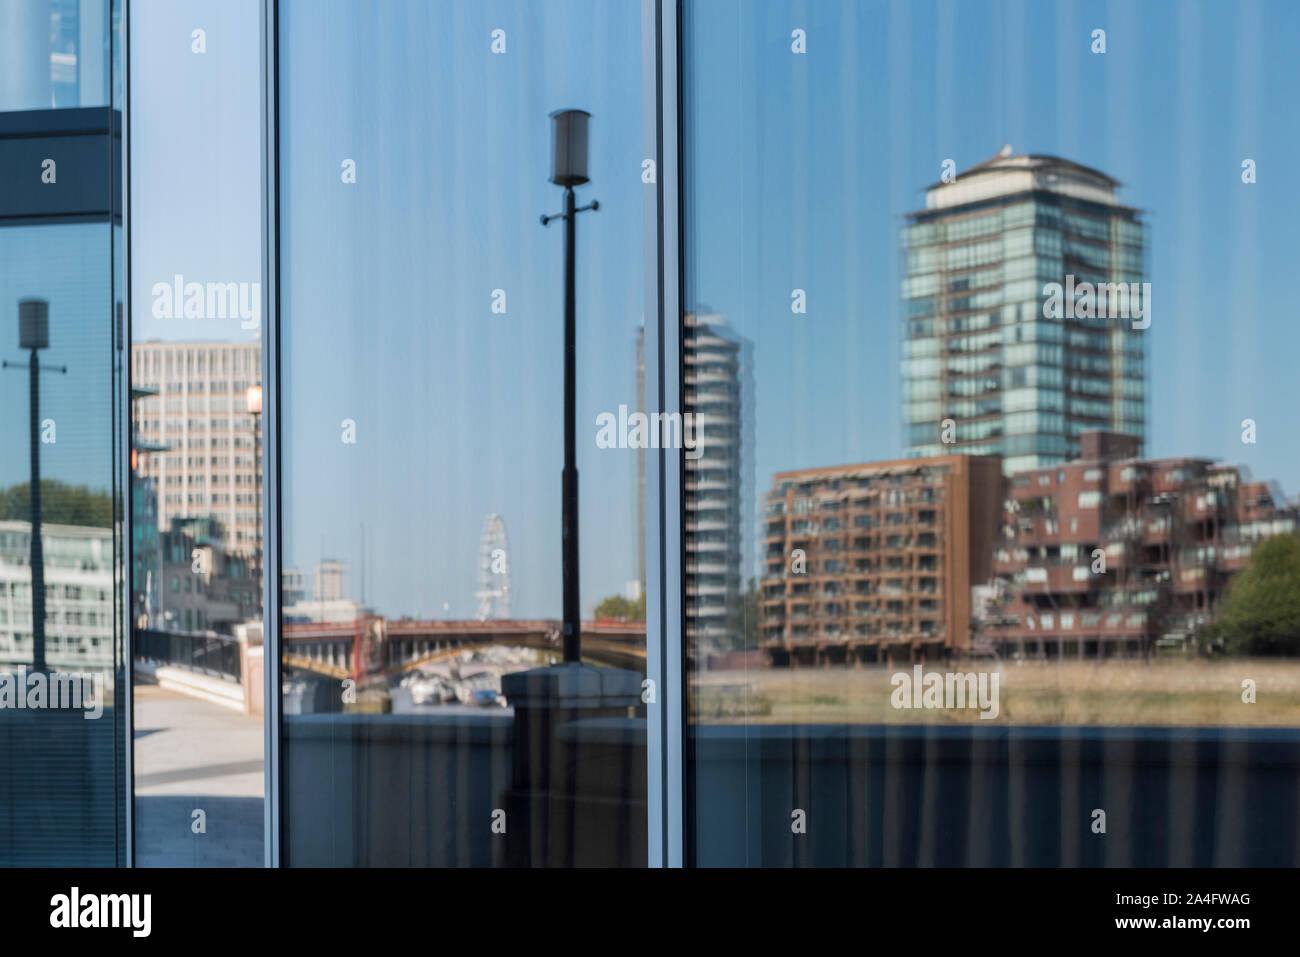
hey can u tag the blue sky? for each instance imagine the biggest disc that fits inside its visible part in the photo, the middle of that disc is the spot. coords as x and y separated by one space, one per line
807 165
801 169
68 266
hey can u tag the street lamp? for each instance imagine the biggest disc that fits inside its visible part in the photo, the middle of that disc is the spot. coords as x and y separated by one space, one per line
34 335
569 169
253 398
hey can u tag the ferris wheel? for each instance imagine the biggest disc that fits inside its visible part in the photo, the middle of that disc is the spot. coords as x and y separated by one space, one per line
493 570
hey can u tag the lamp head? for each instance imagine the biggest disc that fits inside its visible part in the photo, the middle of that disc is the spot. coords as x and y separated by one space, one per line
569 147
33 324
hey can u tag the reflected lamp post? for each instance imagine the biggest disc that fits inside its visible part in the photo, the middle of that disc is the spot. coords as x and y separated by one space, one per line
253 396
569 169
34 335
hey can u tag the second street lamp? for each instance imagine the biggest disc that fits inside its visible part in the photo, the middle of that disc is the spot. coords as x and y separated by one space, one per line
253 398
569 169
34 335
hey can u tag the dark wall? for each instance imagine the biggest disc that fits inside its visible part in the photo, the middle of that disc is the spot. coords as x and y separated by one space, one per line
412 790
86 147
57 803
996 796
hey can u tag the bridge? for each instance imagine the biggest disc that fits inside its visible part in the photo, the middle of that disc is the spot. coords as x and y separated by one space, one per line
373 646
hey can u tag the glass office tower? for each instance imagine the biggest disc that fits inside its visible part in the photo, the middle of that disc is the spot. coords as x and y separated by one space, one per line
995 360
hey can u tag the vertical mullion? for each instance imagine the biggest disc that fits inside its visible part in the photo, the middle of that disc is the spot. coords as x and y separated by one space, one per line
654 650
125 440
671 371
270 544
663 505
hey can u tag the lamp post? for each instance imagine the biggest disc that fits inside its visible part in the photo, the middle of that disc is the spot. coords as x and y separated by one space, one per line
253 396
34 335
569 169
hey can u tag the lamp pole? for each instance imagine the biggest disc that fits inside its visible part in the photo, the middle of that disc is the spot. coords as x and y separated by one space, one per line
569 169
253 397
34 335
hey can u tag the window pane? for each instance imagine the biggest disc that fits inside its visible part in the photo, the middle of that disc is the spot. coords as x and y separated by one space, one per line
972 503
422 351
196 372
57 54
62 607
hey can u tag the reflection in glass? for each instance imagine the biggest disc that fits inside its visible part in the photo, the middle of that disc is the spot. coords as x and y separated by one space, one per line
195 367
966 480
57 54
60 639
62 557
425 695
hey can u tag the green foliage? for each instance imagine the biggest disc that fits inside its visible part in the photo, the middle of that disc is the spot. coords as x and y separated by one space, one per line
60 504
621 609
1261 614
742 618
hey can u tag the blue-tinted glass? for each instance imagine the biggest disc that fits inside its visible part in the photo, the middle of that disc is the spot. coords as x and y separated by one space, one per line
994 525
422 357
60 654
196 352
62 553
58 54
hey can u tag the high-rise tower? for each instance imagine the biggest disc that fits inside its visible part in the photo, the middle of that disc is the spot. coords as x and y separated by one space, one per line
986 368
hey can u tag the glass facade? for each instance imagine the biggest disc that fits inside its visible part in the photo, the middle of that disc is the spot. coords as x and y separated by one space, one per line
63 695
961 522
657 433
424 684
196 357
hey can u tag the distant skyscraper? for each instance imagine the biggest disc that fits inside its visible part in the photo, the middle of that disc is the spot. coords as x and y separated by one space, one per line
715 482
330 581
200 415
977 349
329 601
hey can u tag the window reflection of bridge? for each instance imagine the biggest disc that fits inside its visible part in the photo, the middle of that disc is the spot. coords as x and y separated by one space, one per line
374 646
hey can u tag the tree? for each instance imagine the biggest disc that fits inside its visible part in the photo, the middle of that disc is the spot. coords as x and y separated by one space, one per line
1261 614
60 504
742 618
622 609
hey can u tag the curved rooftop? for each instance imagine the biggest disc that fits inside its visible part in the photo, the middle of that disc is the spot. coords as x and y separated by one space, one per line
1007 174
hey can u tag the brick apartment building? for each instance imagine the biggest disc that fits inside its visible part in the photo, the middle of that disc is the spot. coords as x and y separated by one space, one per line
1173 531
875 562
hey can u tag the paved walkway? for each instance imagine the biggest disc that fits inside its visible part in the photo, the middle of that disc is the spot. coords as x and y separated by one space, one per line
192 755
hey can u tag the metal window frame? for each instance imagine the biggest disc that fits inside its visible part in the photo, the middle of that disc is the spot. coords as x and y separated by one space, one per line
273 802
126 440
665 650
